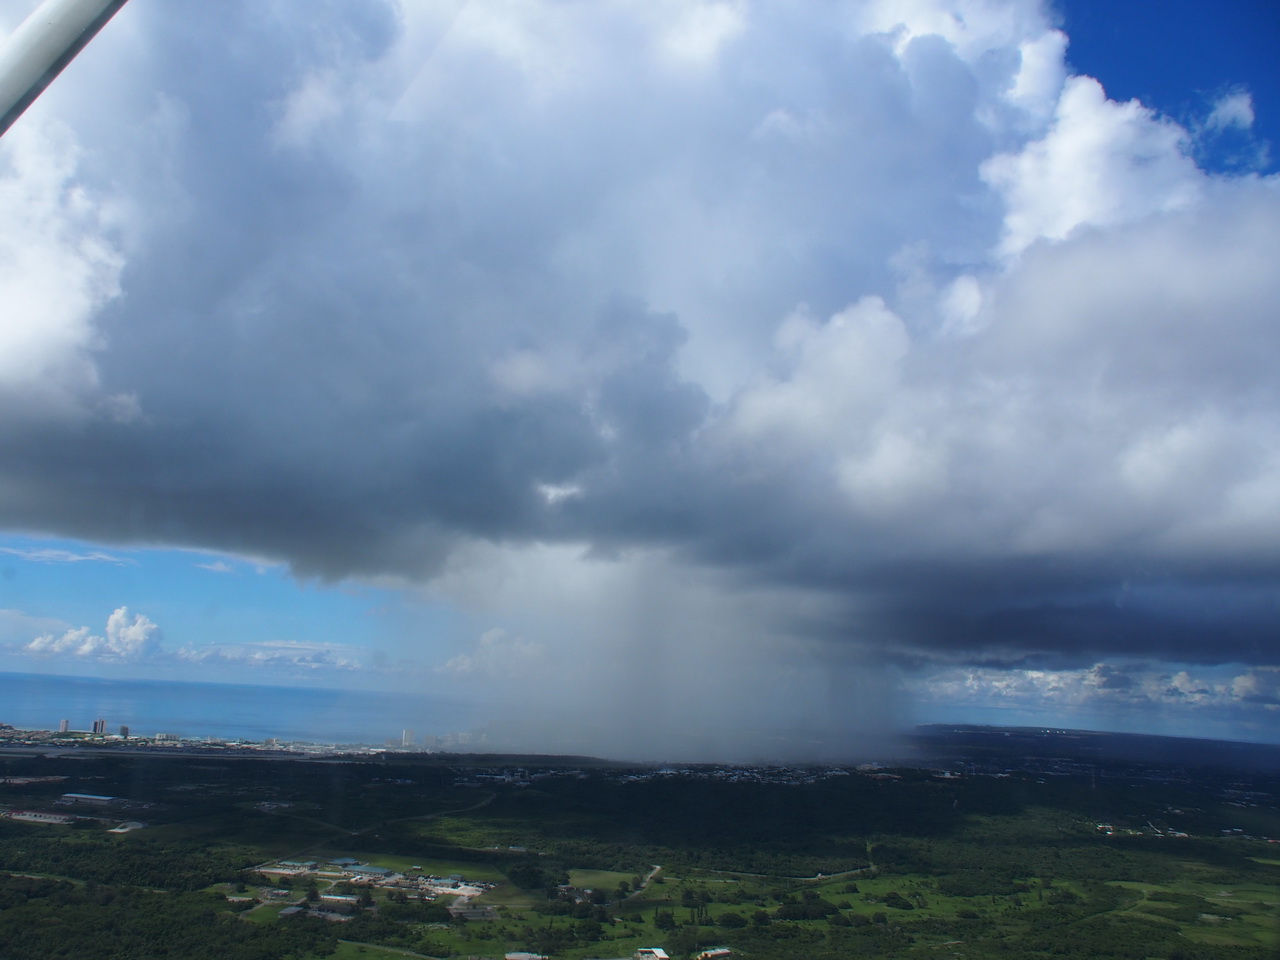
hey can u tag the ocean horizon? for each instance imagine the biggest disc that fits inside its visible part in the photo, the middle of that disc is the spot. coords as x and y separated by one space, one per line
229 711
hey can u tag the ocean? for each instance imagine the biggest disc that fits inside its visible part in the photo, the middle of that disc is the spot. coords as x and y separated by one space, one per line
224 710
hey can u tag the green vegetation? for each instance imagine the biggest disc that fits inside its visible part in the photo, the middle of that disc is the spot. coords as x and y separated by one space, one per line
603 863
53 918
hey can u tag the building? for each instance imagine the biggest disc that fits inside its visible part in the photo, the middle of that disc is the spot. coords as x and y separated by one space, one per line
466 912
650 953
406 738
124 731
99 726
64 726
339 903
39 816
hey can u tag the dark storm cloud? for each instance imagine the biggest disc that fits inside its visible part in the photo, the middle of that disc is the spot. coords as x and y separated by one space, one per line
892 318
1053 624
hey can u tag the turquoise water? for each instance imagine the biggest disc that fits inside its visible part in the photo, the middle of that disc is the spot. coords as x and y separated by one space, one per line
230 711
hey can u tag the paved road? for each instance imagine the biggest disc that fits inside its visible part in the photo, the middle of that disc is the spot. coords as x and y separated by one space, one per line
657 869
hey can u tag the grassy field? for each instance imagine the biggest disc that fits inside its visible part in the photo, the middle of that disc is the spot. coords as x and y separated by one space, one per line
598 879
264 913
509 896
369 951
1254 910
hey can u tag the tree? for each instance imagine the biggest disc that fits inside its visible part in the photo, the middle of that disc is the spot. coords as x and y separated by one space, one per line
896 900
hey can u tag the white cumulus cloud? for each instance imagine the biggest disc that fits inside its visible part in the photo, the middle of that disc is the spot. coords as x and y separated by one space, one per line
128 637
1101 164
59 265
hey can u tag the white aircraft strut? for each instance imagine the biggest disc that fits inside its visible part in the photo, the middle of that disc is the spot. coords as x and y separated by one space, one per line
42 46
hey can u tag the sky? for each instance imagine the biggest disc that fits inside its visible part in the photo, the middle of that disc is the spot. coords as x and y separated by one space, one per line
676 377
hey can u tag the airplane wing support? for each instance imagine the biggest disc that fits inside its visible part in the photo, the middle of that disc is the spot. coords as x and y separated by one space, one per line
42 46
